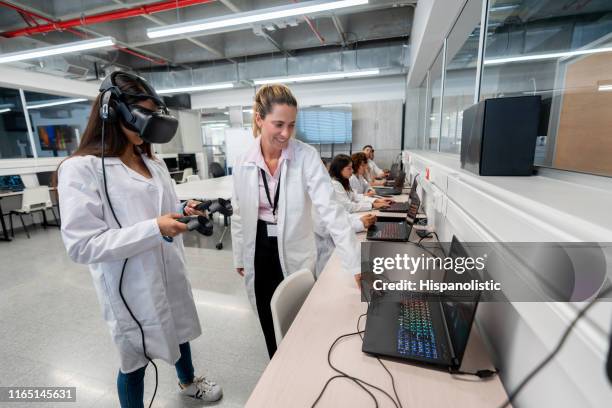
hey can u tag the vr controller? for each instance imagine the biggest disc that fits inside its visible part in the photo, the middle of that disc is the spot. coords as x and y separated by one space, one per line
223 207
201 223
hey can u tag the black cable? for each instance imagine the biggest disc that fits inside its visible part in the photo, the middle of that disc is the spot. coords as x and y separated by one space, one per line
144 348
342 374
556 350
479 373
383 365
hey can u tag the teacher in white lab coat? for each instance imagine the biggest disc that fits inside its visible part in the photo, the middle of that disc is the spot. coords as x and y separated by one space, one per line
140 278
276 184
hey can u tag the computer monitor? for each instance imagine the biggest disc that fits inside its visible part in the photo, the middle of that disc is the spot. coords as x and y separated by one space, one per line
459 314
186 160
45 178
11 183
171 163
56 137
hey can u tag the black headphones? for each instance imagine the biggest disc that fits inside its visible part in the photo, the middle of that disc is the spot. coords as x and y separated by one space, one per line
153 126
111 92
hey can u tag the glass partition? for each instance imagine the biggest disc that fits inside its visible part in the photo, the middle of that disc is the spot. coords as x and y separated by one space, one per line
460 78
57 122
14 138
435 99
562 52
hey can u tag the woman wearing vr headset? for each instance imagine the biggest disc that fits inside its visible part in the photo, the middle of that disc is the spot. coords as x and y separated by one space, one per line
278 183
119 213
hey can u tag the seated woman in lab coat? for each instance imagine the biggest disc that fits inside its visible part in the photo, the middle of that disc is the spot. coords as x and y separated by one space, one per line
341 170
357 181
115 215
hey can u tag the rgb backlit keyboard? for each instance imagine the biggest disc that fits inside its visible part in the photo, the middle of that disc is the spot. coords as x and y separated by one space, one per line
398 207
388 230
415 334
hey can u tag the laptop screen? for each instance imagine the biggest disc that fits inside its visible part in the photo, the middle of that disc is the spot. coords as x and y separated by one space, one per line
45 178
459 315
399 181
413 188
415 203
12 183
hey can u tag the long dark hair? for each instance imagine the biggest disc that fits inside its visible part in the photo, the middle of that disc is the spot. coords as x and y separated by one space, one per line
335 170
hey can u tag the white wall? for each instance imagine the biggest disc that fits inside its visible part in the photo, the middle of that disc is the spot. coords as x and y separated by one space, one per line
37 82
433 19
329 92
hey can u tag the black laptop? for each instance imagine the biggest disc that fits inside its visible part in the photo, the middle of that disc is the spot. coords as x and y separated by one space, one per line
393 173
420 327
394 229
11 184
406 207
396 189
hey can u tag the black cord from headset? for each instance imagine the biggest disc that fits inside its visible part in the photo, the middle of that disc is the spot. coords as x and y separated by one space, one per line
556 350
144 348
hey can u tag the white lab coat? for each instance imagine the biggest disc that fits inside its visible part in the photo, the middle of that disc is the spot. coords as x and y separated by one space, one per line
359 184
304 184
325 243
351 201
375 171
155 285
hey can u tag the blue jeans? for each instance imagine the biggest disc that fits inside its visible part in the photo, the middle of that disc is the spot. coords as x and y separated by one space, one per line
131 386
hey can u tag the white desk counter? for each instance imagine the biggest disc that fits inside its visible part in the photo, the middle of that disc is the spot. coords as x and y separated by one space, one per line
220 187
299 369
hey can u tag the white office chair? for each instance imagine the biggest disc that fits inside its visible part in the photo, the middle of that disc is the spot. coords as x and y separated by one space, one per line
288 299
34 199
193 177
186 173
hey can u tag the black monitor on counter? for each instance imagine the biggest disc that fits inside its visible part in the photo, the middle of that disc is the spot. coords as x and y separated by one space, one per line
186 160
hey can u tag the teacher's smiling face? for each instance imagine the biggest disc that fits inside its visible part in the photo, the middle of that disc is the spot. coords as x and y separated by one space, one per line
277 126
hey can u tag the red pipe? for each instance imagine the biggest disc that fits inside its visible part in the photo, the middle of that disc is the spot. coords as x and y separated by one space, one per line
102 17
312 27
82 35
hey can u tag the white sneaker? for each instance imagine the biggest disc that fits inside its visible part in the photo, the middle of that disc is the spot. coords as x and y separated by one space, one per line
202 389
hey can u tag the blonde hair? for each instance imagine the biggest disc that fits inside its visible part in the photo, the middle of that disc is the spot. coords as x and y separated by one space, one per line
266 97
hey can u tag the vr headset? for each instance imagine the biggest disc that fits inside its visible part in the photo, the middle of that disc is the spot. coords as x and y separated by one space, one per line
152 126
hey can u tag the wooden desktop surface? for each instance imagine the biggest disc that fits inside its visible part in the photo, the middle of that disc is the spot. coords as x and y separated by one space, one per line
299 369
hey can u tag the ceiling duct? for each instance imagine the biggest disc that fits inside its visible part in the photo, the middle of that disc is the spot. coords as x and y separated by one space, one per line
390 59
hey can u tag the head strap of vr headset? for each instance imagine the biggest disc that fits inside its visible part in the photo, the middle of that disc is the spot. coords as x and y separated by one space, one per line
110 89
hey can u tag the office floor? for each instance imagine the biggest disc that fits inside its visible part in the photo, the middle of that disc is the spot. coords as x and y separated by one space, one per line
53 333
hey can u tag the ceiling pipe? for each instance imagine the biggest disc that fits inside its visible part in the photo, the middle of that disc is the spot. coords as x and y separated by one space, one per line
312 27
102 17
80 34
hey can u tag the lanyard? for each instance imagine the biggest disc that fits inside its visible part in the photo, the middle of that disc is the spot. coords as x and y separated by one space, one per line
265 181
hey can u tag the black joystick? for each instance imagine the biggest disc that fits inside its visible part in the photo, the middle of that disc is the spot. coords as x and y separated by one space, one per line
223 207
199 223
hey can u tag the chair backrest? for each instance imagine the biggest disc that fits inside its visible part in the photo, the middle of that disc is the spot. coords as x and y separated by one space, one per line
288 299
193 177
36 198
216 170
186 173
